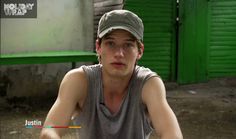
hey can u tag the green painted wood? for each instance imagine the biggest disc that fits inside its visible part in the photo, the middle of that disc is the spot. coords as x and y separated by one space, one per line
222 38
48 57
159 34
192 52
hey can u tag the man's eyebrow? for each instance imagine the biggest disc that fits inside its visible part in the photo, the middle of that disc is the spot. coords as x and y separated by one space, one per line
130 39
108 38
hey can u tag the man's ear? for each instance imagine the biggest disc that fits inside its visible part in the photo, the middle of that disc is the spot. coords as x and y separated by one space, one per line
98 46
140 50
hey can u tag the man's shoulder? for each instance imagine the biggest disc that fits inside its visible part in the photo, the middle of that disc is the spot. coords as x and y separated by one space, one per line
82 70
143 72
142 68
74 72
92 70
73 75
74 84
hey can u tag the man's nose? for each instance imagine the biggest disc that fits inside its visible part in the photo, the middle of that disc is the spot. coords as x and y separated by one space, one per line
119 51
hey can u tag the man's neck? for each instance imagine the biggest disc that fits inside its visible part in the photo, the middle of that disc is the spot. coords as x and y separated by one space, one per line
114 91
116 86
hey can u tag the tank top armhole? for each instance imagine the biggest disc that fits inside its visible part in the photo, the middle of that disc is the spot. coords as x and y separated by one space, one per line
85 69
148 127
91 73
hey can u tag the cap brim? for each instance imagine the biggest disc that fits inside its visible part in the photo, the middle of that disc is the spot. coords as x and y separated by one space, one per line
110 29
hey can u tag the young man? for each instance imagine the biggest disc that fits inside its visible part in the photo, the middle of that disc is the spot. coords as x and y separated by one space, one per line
116 99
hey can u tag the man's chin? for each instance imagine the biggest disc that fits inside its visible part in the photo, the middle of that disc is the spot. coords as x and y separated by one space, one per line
118 73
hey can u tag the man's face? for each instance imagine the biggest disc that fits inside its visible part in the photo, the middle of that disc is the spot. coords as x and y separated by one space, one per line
119 52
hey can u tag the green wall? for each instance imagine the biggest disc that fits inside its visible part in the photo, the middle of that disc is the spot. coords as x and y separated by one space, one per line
192 51
222 39
206 39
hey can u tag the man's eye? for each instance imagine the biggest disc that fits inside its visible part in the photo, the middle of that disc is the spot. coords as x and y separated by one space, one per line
111 44
128 45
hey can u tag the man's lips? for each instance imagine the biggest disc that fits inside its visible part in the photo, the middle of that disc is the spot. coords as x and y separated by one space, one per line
118 64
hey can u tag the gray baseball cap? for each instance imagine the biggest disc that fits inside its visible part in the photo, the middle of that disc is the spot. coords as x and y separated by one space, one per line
121 19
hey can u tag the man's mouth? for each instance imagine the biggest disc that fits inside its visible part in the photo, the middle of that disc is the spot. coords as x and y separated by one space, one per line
118 64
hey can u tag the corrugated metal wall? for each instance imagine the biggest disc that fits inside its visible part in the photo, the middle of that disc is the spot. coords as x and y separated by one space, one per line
192 50
159 34
222 38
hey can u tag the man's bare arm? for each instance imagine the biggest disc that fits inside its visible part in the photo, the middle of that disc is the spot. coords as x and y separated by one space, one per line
162 116
72 90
